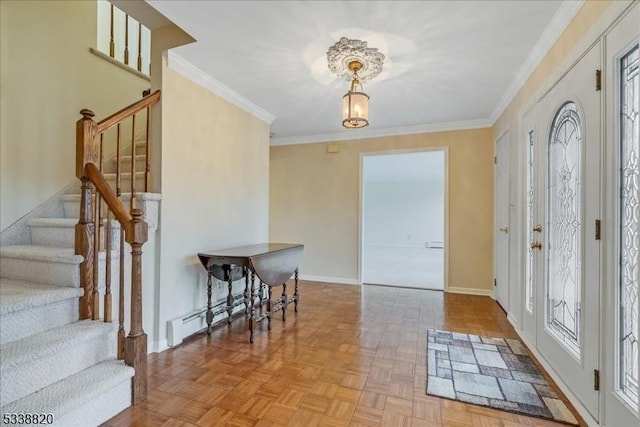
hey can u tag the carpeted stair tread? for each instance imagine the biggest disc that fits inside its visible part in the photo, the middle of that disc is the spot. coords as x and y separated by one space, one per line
66 395
17 295
41 253
52 341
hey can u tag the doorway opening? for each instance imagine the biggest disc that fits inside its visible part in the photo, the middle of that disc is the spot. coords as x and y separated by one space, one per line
403 219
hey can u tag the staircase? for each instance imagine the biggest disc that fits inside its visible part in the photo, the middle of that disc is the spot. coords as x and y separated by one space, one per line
51 361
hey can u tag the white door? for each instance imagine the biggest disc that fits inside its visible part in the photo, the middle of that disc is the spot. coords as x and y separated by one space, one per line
568 303
501 225
622 195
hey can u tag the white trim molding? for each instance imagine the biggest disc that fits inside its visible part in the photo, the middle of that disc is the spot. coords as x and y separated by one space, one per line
348 135
190 71
329 279
471 291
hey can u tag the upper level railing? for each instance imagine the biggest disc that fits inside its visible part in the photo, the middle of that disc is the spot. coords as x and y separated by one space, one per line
104 215
123 38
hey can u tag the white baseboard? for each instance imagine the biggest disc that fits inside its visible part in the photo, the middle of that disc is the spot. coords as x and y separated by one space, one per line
584 413
329 279
470 291
159 346
512 320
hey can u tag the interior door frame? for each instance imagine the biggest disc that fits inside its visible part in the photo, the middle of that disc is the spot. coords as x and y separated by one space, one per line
503 134
445 150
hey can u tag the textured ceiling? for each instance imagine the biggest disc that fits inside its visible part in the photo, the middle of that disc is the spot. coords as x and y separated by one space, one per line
447 62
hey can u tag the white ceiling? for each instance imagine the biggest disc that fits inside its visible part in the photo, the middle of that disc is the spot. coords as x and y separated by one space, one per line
448 63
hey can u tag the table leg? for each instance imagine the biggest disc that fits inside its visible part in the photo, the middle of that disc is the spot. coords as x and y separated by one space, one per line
230 294
253 311
247 304
209 311
296 296
284 301
261 292
269 312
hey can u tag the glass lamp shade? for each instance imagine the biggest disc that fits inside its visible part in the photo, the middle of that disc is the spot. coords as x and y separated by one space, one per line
355 110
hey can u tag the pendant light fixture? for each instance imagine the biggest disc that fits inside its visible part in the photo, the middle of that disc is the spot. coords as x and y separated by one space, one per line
355 103
353 60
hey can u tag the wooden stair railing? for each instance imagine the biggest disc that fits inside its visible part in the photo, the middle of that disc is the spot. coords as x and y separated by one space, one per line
93 227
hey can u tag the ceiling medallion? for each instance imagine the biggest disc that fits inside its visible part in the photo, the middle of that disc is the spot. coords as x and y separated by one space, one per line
353 60
348 50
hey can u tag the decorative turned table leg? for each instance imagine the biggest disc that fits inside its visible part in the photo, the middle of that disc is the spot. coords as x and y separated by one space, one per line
261 293
228 269
247 304
296 296
269 306
209 311
253 311
284 301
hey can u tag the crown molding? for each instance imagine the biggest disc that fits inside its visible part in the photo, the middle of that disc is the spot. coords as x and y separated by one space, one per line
353 134
566 12
187 69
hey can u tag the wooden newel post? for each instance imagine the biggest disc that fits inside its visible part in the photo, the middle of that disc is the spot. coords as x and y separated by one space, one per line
135 349
86 152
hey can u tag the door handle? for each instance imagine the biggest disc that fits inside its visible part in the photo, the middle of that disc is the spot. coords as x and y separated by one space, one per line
538 228
504 229
536 245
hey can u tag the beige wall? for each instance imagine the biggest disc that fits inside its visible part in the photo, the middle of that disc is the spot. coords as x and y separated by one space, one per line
314 200
48 76
215 188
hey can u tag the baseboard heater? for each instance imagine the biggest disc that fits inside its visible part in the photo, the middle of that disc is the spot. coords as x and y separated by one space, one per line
182 327
194 322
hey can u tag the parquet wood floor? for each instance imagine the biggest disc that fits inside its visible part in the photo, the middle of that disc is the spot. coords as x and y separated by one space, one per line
351 356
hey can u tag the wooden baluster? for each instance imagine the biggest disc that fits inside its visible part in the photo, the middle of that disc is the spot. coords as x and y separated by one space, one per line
147 172
136 342
126 39
118 155
107 244
97 215
84 231
121 297
133 162
107 278
112 44
121 334
139 46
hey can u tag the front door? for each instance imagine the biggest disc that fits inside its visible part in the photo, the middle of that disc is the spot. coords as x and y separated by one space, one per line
568 206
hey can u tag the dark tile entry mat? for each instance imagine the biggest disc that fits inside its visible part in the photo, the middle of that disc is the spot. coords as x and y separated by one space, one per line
493 372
